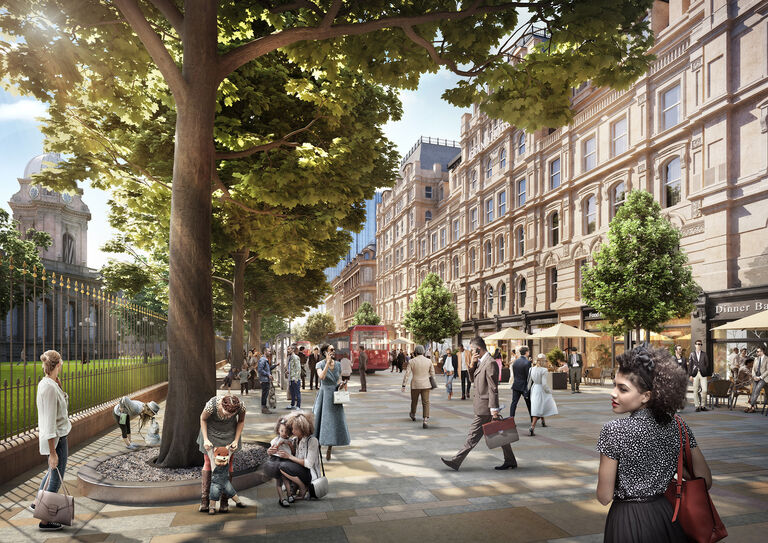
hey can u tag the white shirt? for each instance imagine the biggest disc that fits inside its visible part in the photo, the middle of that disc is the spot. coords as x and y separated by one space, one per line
575 360
448 364
52 417
346 366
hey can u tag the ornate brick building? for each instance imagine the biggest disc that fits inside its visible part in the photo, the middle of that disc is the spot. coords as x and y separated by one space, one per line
355 285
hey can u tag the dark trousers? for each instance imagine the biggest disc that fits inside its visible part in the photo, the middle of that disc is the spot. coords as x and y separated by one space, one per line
294 387
574 373
465 384
516 394
244 387
264 393
474 436
314 379
362 380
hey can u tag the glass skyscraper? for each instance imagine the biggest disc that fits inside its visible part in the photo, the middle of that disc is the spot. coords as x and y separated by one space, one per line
360 240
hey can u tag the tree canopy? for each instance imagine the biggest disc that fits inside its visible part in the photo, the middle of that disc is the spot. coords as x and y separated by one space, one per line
432 316
19 258
640 277
318 325
365 314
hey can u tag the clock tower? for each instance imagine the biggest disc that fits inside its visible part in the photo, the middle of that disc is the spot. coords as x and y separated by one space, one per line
63 215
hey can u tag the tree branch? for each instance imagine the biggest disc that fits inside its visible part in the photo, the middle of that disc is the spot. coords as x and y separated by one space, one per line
171 12
223 280
265 44
333 11
435 56
155 47
282 142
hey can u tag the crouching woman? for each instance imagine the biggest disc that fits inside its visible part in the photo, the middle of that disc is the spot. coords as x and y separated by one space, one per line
303 467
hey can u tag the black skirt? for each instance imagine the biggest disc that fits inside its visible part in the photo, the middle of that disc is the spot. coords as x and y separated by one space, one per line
295 470
647 521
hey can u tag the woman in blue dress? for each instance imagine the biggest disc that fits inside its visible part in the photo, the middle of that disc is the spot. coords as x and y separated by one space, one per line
330 422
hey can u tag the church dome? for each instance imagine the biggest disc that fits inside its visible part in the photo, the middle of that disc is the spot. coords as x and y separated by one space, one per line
40 162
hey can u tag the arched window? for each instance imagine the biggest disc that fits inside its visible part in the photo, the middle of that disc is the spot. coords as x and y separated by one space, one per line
520 241
502 297
473 302
590 215
427 215
522 291
554 229
502 159
618 195
500 245
472 258
672 182
521 143
488 254
455 267
68 252
489 169
489 304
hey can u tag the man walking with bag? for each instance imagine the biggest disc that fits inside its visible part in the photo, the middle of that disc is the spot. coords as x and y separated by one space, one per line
484 373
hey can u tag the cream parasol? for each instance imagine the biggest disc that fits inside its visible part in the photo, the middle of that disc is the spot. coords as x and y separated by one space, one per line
564 331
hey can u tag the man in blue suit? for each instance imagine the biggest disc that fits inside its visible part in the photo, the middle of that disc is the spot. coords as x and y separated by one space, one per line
520 369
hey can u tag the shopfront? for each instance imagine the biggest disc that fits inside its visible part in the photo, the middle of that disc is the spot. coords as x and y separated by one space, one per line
600 351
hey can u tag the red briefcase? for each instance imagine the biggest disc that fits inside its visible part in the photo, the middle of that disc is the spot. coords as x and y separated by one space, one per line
500 432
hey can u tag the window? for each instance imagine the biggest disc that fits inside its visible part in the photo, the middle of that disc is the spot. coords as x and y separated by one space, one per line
554 174
590 215
473 219
442 238
68 253
618 196
619 137
502 159
554 229
434 242
521 292
520 192
441 273
501 198
521 143
488 254
503 297
456 229
489 169
670 107
489 210
672 182
455 267
490 300
427 215
473 180
500 245
520 241
473 301
590 154
428 192
472 258
552 280
423 248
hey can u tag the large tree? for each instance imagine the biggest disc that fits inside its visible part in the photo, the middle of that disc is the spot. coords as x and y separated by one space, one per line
317 326
432 316
365 314
114 50
640 277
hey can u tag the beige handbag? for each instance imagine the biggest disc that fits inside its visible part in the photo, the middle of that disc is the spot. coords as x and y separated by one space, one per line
55 507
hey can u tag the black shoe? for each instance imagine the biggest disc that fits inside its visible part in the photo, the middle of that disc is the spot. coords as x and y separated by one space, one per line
506 465
698 409
544 424
283 503
240 505
451 464
704 408
412 417
425 424
31 507
530 431
49 526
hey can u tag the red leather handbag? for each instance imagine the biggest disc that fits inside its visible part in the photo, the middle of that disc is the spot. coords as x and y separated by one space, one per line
693 506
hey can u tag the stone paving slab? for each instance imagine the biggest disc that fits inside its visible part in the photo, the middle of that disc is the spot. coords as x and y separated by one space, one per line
389 484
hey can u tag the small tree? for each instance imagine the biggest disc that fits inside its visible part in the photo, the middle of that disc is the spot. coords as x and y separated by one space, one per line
432 315
640 278
366 315
22 251
554 356
318 326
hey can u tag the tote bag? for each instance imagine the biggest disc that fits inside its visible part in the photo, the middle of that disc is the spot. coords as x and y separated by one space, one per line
55 507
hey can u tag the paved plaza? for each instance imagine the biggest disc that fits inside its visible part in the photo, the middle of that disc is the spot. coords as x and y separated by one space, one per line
390 486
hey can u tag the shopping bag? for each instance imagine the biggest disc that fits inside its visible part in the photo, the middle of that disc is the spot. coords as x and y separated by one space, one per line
500 432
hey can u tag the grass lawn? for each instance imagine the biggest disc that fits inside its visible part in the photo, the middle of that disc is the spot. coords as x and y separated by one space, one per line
88 385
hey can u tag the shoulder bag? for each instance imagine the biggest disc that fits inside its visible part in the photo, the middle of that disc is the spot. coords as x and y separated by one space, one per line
319 487
55 507
500 432
693 506
432 381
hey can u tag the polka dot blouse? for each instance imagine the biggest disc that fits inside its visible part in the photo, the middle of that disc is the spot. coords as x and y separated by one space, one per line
646 451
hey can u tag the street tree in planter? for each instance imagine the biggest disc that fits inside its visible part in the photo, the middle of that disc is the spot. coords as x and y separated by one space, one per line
432 315
366 315
317 326
640 277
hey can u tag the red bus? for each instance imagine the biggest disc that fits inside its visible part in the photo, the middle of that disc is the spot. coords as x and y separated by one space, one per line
375 339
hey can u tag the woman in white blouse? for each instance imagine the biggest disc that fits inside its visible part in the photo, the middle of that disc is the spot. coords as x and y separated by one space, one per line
53 425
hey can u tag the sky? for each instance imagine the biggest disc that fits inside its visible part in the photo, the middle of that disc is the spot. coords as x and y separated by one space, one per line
424 114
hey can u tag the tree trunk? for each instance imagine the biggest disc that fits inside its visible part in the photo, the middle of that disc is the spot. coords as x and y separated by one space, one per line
255 320
191 370
238 308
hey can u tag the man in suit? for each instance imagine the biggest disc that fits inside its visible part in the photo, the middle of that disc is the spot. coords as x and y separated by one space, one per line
520 369
575 369
484 373
312 360
679 358
418 372
362 359
699 369
759 378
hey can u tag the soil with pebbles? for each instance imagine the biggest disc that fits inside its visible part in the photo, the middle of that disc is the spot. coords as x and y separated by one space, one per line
138 465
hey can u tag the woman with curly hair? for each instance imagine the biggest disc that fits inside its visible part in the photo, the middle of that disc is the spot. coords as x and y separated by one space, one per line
638 453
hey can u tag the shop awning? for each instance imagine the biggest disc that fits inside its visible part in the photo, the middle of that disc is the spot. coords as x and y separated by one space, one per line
758 321
507 334
564 331
402 341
